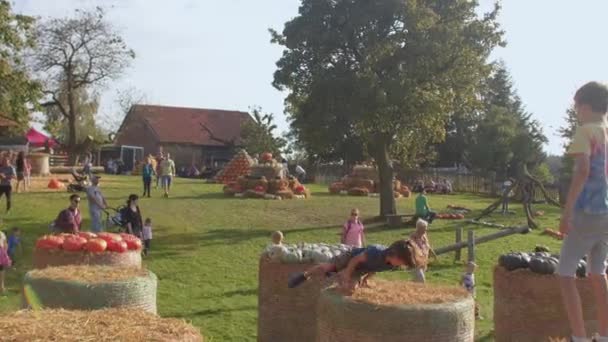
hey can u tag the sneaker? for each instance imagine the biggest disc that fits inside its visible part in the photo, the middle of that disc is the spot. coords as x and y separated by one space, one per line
296 279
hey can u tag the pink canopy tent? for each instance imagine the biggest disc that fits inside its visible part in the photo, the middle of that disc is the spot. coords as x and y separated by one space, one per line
38 139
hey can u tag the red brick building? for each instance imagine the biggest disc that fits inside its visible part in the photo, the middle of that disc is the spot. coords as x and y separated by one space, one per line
202 136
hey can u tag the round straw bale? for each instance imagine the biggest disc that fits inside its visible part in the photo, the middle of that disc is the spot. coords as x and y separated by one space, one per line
285 194
93 288
396 311
335 188
275 185
286 314
107 325
528 305
48 258
358 192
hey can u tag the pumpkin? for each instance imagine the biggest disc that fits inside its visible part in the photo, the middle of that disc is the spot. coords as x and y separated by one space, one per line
543 265
581 269
109 237
50 242
117 246
266 156
276 252
74 243
87 235
259 188
133 244
299 189
513 261
96 245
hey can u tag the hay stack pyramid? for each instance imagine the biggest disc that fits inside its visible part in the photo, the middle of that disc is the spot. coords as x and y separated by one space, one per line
240 165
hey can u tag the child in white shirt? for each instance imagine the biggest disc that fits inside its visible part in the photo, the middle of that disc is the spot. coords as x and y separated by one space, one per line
147 235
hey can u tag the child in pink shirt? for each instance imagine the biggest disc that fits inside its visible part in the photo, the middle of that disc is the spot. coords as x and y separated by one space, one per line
353 230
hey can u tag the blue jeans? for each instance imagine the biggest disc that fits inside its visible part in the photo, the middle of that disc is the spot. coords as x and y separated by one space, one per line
96 220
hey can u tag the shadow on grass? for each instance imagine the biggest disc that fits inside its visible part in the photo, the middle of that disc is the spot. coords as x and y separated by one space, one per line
212 312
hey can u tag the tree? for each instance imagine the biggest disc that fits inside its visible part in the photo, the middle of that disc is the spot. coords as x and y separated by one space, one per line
258 135
567 133
19 94
86 124
125 99
75 53
392 68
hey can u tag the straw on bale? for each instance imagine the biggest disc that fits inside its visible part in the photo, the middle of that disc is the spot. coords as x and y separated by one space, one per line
47 258
396 311
367 172
110 325
336 187
93 288
270 171
528 305
286 314
358 192
275 185
357 182
285 194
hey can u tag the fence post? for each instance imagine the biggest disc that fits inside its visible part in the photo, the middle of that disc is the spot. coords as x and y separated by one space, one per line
457 256
471 245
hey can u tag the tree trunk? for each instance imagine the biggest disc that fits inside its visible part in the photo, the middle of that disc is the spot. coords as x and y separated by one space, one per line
385 175
72 148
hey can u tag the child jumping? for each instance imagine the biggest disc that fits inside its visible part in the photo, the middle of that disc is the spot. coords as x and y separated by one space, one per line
353 231
584 219
364 262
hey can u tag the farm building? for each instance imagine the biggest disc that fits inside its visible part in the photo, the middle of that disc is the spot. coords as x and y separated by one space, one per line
203 136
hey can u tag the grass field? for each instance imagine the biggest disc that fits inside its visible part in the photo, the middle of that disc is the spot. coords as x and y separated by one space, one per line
206 247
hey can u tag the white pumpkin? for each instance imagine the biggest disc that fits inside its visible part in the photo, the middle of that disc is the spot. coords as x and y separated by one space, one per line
277 252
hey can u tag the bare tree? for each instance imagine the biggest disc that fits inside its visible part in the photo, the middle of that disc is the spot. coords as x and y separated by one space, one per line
124 99
84 51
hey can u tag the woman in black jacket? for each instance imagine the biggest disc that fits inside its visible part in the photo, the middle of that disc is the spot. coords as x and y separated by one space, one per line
132 216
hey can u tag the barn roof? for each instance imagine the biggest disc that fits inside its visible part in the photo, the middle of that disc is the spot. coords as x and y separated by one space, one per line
191 125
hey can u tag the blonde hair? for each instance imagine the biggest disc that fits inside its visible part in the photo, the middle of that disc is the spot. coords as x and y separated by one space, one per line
277 237
421 224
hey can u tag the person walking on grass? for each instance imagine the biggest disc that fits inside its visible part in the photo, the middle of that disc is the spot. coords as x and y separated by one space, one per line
159 159
147 172
167 171
353 231
97 204
147 235
421 239
423 211
584 219
7 173
20 168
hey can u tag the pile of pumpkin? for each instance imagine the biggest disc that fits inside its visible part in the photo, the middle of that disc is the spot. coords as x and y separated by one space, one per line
304 252
538 262
90 242
446 216
357 185
240 165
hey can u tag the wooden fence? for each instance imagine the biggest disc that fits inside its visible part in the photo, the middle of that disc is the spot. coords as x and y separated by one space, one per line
471 183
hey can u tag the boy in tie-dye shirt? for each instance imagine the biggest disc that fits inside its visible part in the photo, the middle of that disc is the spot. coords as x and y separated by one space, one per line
585 216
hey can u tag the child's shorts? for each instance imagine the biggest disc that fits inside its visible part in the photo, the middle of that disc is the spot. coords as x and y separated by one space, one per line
588 236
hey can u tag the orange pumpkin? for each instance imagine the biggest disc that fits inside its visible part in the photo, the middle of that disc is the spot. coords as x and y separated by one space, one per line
97 245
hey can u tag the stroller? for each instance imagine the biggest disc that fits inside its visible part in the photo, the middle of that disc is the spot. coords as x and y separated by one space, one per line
115 219
81 181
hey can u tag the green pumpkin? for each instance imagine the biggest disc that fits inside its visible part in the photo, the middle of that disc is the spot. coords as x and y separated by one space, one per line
543 265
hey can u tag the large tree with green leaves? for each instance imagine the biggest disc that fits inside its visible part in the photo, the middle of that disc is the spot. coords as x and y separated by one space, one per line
76 53
393 69
19 94
259 136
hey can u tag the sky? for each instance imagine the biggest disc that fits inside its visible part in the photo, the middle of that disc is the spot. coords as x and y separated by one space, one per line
217 53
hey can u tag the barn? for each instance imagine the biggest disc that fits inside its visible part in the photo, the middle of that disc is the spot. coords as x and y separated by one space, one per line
206 137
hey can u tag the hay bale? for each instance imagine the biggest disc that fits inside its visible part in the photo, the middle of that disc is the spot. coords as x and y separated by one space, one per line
358 192
275 185
285 194
46 258
358 182
254 194
396 311
367 172
107 325
286 314
335 188
270 171
529 310
93 288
